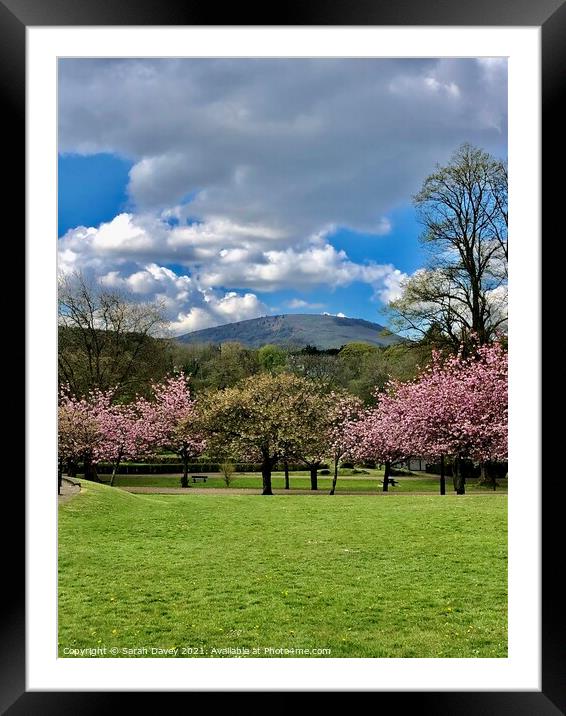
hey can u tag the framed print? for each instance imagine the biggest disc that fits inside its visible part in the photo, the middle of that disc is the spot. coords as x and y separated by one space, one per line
242 201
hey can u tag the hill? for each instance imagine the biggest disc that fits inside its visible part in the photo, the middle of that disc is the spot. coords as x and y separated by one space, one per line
296 330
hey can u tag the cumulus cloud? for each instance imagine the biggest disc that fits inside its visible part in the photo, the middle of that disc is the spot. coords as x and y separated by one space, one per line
392 286
287 144
246 264
300 303
188 305
244 168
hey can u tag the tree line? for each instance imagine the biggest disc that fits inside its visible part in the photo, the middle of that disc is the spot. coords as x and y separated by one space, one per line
129 362
442 393
455 409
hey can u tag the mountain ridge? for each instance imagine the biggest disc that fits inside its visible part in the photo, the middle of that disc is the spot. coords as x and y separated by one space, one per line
296 330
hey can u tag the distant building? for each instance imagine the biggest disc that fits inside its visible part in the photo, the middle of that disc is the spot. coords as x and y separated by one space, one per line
416 464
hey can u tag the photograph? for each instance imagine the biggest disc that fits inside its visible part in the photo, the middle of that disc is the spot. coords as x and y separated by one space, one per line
282 348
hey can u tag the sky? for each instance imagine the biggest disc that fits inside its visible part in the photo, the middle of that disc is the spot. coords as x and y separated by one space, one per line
229 189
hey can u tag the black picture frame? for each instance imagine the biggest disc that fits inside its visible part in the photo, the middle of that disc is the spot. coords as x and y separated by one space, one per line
550 15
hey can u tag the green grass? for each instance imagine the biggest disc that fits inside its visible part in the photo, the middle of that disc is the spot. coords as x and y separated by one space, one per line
422 576
300 481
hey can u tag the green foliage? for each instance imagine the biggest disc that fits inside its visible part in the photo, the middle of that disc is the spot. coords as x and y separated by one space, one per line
143 360
216 367
227 469
363 371
108 341
272 358
266 416
356 367
320 572
355 351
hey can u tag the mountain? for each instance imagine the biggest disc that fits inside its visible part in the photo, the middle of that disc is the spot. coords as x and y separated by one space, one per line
296 330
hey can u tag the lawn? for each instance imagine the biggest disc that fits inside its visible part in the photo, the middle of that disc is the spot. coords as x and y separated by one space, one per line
301 481
422 576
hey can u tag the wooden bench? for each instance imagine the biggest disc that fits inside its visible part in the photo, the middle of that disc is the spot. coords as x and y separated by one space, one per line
196 478
391 482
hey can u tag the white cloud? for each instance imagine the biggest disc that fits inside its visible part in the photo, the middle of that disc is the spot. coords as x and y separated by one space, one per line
392 286
130 252
287 145
243 169
226 309
300 303
189 306
300 268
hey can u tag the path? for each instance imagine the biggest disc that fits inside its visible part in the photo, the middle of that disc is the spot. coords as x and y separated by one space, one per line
253 491
68 490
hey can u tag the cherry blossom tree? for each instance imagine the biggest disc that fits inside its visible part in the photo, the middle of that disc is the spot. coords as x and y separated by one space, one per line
168 420
425 414
124 434
380 434
457 407
80 438
343 415
481 408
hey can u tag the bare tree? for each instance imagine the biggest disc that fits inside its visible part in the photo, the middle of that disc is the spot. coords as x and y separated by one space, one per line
107 340
463 290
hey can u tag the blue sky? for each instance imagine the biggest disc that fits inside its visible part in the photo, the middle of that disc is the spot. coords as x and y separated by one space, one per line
229 189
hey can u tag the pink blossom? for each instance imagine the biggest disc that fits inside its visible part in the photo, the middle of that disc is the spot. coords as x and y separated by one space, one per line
166 420
455 407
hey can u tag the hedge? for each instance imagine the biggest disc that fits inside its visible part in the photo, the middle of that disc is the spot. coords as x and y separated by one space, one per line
469 469
168 468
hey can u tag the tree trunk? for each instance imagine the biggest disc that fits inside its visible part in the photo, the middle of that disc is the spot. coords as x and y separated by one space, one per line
487 475
90 471
185 477
286 469
266 476
335 478
442 476
72 469
386 474
115 469
459 478
314 478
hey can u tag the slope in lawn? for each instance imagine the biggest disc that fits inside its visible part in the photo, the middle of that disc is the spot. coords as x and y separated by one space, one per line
359 576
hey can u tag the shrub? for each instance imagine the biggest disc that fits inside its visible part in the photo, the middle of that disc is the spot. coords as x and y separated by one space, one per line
371 464
227 469
324 472
172 466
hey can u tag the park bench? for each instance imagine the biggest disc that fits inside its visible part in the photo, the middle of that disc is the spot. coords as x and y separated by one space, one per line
392 482
196 478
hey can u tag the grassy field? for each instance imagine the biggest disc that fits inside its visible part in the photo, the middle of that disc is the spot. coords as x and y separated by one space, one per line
301 481
422 576
370 482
